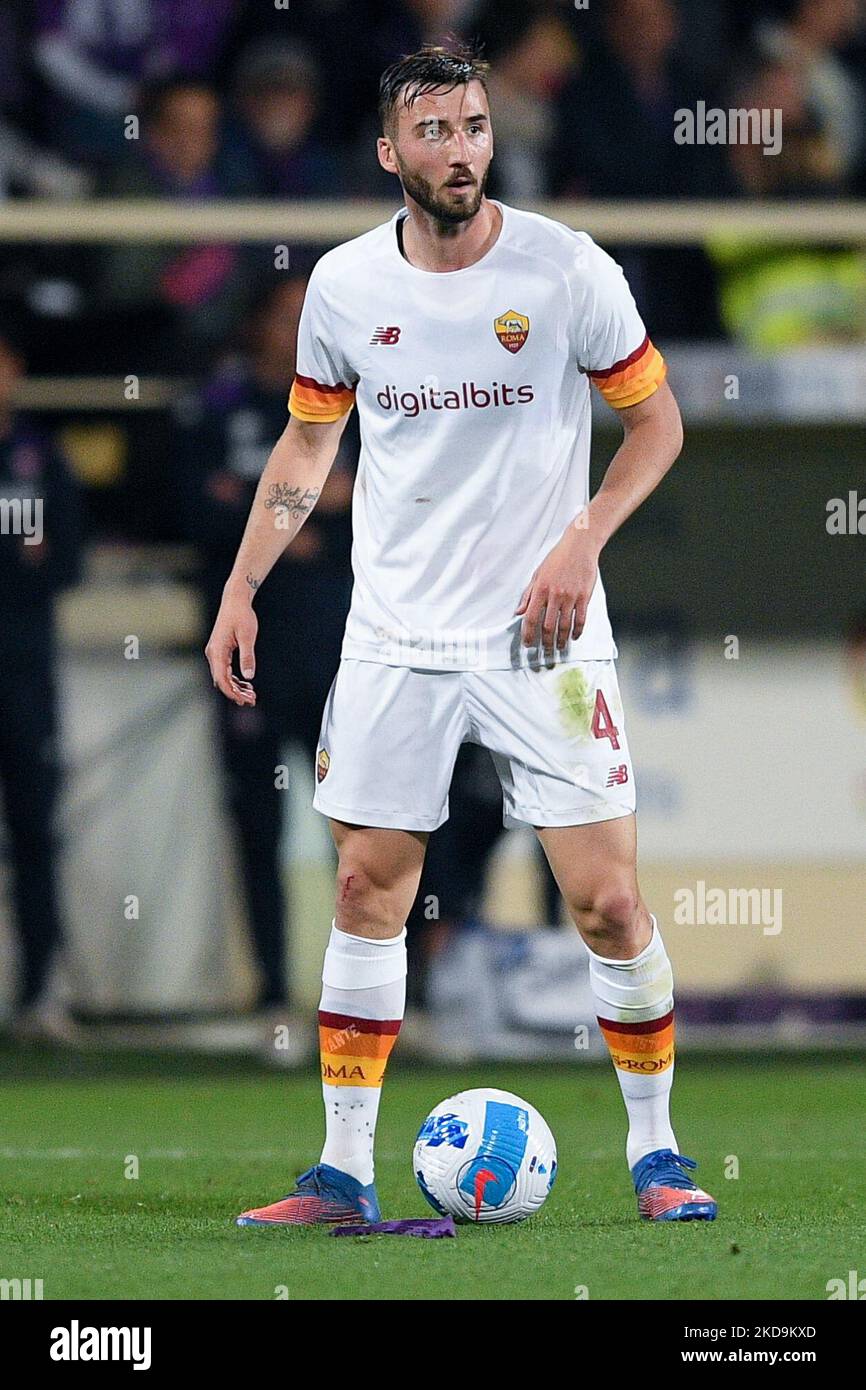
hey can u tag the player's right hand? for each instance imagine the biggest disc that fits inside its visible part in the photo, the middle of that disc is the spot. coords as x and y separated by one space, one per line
235 630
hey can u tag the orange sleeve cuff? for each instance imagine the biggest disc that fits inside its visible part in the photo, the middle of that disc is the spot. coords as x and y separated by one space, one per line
309 400
634 378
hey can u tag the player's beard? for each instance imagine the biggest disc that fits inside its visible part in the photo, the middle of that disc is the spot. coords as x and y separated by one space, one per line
437 204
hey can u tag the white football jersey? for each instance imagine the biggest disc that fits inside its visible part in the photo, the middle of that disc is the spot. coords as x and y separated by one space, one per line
473 398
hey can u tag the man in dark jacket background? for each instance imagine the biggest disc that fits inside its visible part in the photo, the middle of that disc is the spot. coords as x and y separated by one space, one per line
225 434
39 557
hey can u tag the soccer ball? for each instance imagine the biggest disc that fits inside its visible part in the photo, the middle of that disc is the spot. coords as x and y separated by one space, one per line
485 1155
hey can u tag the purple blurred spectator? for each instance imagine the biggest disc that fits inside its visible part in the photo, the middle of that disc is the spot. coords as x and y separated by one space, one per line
25 167
276 95
177 157
616 121
93 56
336 32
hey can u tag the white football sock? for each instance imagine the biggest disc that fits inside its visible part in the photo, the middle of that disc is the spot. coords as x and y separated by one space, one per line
635 1013
360 1012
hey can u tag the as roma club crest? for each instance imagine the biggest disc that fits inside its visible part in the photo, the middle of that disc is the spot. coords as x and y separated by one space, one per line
323 762
512 330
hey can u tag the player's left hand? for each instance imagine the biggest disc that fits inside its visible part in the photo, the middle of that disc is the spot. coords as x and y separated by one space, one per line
557 596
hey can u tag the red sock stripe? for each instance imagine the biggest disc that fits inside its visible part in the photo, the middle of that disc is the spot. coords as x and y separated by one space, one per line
653 1025
359 1025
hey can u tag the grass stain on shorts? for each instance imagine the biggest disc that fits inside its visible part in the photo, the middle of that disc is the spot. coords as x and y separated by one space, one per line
576 701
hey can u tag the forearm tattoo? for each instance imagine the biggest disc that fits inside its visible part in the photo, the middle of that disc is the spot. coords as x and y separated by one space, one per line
297 501
253 582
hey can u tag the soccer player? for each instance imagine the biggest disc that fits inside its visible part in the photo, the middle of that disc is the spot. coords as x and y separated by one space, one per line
468 332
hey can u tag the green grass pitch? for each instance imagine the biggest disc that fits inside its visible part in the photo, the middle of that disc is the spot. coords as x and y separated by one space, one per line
212 1139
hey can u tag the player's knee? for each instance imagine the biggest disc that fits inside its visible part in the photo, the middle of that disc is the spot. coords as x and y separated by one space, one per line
355 884
364 896
611 911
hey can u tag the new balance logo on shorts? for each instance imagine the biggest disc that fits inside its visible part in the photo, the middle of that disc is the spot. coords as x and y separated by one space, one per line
617 776
386 336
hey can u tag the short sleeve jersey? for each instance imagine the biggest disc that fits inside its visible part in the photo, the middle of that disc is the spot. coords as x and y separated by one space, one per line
473 396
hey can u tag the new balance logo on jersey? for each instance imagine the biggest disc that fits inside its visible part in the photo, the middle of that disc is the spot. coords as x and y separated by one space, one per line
386 337
617 776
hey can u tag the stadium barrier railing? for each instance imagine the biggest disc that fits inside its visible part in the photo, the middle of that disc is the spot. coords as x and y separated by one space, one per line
675 223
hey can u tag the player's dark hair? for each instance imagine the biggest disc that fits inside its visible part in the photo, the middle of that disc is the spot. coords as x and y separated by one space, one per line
428 70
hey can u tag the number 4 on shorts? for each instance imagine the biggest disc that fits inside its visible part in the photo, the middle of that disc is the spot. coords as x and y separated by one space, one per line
602 724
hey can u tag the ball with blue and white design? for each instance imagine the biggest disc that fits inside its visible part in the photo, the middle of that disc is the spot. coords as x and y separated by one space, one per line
485 1155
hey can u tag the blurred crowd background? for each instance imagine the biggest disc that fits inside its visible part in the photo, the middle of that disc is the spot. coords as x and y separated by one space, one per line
180 101
244 99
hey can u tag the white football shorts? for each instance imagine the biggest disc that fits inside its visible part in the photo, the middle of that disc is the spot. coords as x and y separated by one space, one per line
390 736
